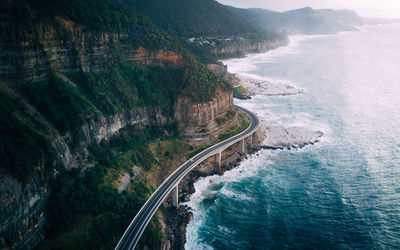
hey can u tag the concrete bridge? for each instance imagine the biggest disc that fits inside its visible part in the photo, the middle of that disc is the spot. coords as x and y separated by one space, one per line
170 185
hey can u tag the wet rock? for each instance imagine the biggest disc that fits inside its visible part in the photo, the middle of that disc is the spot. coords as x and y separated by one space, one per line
268 87
280 137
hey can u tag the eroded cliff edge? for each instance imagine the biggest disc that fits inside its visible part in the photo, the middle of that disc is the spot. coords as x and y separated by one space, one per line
68 87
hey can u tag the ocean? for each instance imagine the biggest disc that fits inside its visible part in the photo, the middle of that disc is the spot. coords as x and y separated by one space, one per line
340 193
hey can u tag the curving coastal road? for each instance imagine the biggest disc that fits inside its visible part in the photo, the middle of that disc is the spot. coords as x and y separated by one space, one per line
143 217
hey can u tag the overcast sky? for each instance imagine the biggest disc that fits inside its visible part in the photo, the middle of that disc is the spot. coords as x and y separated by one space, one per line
365 8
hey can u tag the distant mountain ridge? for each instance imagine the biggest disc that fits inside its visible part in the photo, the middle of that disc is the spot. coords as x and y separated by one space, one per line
301 21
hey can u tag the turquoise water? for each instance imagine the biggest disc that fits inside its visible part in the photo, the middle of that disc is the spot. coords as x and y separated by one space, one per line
341 193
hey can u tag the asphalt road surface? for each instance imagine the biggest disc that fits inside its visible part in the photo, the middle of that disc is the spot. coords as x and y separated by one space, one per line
137 226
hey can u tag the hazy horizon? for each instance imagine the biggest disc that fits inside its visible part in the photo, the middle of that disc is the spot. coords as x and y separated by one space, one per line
365 8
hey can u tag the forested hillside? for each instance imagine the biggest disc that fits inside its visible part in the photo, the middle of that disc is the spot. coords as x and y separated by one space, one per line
207 28
88 86
193 18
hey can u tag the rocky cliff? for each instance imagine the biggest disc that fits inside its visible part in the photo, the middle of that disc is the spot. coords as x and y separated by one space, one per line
30 52
23 204
194 115
22 212
105 128
50 57
249 47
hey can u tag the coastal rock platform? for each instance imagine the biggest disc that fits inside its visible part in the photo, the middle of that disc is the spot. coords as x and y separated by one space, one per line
268 87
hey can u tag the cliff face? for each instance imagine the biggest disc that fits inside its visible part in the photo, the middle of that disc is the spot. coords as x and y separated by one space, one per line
193 115
23 205
31 52
105 128
22 212
250 47
222 71
156 57
96 131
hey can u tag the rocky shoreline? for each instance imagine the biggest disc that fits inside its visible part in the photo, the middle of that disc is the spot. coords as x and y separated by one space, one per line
176 220
270 135
267 87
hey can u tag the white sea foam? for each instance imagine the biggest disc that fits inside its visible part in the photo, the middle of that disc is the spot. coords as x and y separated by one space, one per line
286 129
228 192
205 187
258 85
225 230
216 186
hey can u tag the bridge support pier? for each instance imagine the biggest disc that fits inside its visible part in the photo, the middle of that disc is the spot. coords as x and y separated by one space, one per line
218 159
242 145
251 140
174 197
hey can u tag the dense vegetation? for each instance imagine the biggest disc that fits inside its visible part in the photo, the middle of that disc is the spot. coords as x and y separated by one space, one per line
22 149
207 83
239 91
68 105
238 128
85 209
207 19
86 213
129 85
62 104
100 15
193 18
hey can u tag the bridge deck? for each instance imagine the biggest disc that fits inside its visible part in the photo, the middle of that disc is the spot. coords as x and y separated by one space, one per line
143 217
